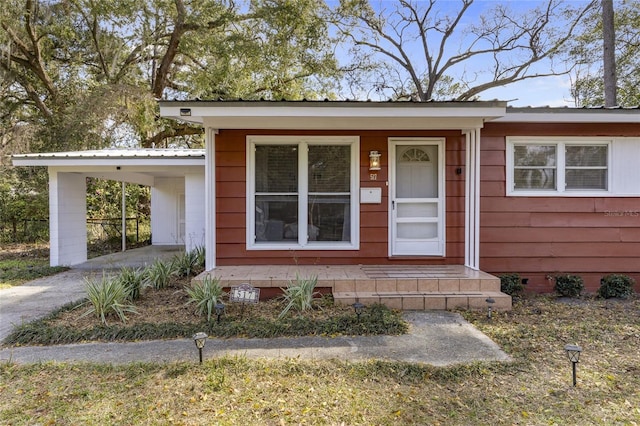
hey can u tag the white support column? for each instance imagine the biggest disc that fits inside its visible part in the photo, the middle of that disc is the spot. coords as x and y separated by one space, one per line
67 218
124 216
472 199
210 198
195 216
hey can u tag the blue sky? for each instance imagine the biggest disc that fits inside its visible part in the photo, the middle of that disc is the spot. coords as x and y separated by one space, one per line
543 91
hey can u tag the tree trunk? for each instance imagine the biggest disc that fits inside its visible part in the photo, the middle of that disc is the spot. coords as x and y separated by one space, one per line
609 54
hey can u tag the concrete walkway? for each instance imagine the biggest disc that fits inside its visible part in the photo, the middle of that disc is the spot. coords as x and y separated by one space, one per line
436 337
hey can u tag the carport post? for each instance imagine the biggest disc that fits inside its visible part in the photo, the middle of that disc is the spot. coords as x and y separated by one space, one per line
124 216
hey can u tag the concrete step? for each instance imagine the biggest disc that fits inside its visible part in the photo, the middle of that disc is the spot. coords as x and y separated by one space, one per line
410 300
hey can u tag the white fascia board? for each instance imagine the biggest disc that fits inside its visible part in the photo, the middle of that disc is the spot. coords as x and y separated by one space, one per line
562 115
129 177
334 115
36 160
342 123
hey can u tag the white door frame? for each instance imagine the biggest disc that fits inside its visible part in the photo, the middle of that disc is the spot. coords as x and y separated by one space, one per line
441 213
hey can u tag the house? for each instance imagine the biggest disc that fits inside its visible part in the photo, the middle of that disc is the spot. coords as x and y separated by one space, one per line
399 187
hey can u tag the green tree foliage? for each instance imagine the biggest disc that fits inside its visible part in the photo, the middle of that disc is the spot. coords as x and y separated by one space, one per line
85 74
586 51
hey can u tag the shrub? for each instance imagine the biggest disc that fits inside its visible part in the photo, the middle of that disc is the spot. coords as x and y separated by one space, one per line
616 285
206 294
188 263
107 296
569 285
132 280
158 275
299 295
511 284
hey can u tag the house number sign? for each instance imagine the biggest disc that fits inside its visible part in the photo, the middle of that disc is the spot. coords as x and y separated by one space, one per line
245 293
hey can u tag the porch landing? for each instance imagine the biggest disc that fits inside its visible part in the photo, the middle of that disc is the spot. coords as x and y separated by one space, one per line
405 287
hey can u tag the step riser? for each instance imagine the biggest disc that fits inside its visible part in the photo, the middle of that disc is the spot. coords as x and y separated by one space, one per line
443 285
428 301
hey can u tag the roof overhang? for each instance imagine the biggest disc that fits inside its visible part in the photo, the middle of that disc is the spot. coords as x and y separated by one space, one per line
140 166
334 115
570 115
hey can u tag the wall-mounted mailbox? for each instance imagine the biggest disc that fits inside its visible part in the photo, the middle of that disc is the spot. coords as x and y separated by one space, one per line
371 195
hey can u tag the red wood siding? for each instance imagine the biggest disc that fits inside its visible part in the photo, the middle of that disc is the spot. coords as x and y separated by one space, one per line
231 204
539 237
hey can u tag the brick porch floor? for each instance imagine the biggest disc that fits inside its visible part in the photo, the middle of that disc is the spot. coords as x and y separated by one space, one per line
407 287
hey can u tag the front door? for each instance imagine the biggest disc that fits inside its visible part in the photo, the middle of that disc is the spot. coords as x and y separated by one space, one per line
416 197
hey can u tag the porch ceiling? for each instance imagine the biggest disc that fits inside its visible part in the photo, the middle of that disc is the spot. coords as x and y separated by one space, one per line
334 115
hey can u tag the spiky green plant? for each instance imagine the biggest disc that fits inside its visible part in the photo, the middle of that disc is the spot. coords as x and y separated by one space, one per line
132 279
106 296
188 263
206 294
200 255
299 294
158 275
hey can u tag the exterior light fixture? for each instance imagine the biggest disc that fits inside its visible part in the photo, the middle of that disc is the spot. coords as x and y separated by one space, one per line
358 308
185 112
200 339
490 301
573 352
219 310
374 160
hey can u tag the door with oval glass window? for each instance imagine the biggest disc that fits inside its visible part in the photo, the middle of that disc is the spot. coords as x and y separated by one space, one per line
416 197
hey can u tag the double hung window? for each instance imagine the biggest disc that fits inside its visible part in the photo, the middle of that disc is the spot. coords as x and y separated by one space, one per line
553 167
302 192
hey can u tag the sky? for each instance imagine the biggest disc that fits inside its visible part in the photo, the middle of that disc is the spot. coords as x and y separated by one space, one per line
543 91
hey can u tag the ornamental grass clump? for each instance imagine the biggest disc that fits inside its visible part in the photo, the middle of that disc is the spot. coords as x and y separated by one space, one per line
108 296
299 294
616 285
569 285
159 274
188 263
206 294
132 279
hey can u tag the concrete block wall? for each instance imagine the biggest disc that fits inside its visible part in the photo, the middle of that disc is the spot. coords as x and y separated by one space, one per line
68 218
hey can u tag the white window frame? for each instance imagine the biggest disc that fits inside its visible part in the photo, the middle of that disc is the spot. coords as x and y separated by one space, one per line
303 191
560 144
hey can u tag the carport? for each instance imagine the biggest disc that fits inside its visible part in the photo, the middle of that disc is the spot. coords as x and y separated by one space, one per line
176 178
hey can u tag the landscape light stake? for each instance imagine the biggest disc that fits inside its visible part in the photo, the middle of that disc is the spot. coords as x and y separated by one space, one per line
219 310
200 339
573 352
358 307
490 301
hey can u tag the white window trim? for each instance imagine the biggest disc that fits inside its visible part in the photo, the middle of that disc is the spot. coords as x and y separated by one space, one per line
303 192
560 143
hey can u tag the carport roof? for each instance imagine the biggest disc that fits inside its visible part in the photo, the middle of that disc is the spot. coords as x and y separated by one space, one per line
54 158
139 166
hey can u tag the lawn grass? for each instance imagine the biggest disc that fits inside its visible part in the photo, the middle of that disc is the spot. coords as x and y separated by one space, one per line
14 272
534 389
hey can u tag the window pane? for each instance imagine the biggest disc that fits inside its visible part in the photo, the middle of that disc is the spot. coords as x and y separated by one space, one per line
417 231
329 218
586 178
276 168
586 156
329 168
534 178
534 155
276 216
